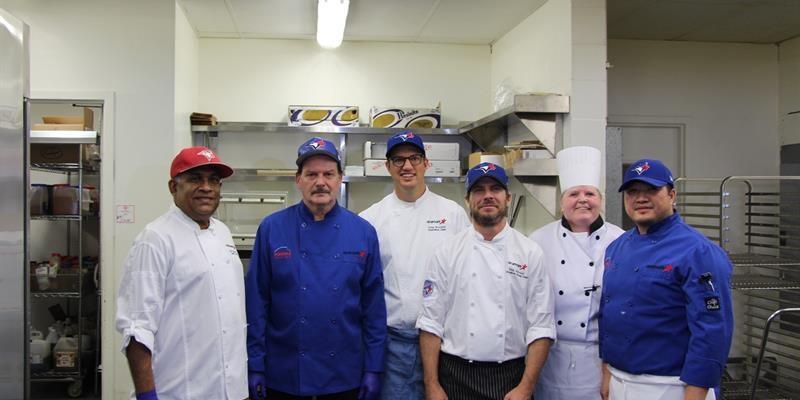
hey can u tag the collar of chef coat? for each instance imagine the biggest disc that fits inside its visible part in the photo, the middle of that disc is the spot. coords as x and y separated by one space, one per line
597 224
661 226
307 216
417 203
190 222
496 239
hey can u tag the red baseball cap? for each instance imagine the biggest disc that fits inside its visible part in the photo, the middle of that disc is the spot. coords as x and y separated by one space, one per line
198 156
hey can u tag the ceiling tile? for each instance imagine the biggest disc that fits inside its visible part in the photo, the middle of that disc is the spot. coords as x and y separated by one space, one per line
476 21
275 18
208 16
387 19
669 20
765 23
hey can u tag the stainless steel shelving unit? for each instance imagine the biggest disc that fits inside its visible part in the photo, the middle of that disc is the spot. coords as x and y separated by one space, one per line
755 219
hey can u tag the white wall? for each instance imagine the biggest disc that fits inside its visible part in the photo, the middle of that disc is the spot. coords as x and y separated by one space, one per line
127 48
535 56
186 78
789 91
725 94
257 79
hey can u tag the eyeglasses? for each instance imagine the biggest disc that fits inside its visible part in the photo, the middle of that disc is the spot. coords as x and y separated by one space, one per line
415 159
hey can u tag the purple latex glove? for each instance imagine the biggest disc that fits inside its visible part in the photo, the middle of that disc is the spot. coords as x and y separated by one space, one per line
370 386
151 395
257 384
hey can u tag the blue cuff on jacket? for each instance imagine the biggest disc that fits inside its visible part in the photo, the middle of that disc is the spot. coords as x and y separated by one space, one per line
702 372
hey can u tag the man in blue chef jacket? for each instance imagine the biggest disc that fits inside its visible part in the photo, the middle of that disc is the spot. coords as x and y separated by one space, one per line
666 317
314 293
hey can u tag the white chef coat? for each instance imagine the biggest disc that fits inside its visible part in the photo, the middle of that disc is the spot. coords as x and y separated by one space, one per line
487 300
182 296
625 386
408 233
574 262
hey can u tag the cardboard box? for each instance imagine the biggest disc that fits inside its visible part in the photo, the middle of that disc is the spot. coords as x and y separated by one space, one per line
444 168
354 170
375 167
396 117
323 116
55 153
505 160
84 122
433 150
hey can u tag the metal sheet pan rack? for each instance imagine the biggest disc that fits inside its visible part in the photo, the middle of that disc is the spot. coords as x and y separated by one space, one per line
756 221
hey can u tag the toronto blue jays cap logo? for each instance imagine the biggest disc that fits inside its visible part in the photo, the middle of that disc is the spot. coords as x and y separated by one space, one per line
491 170
315 146
650 171
404 137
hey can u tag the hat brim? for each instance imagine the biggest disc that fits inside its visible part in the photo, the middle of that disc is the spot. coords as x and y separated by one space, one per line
306 156
224 170
389 150
650 181
490 177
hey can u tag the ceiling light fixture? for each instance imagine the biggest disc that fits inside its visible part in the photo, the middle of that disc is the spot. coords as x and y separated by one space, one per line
331 17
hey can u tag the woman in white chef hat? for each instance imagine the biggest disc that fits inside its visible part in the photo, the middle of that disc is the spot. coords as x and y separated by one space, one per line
574 247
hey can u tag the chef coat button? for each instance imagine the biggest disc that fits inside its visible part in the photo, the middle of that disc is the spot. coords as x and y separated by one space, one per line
302 320
563 262
335 288
472 304
591 263
474 247
499 335
499 306
304 254
303 225
586 293
474 274
238 294
333 321
559 322
583 325
606 301
472 334
336 256
653 241
564 234
302 354
331 354
561 292
219 297
597 237
635 269
224 331
336 226
304 287
212 264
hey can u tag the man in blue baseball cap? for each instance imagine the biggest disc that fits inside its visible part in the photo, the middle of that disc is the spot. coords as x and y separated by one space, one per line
487 310
666 317
411 222
314 293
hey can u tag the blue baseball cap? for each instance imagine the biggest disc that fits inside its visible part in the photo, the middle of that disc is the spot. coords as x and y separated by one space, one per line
405 137
488 169
650 171
317 146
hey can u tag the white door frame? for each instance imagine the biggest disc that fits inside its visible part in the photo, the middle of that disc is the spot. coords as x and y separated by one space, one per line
681 127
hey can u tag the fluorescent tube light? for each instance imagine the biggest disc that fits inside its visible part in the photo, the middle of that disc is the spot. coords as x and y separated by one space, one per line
331 17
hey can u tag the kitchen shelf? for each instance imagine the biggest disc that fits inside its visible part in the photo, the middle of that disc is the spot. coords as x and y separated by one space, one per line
67 137
267 175
759 260
760 282
282 127
55 376
56 295
56 167
62 217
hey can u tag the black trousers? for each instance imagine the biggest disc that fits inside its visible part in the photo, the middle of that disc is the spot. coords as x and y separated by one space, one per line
348 395
475 380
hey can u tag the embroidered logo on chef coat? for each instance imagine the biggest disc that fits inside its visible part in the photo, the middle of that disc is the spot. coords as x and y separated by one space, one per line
517 269
361 254
207 154
607 263
712 303
667 268
437 225
640 169
427 288
282 253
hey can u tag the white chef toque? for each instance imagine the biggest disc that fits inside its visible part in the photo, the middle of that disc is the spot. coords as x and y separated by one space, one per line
578 166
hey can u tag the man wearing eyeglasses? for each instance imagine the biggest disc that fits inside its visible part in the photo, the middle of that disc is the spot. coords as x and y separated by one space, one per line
411 222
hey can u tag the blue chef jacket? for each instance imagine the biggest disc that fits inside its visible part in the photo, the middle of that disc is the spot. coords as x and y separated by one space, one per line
315 307
660 313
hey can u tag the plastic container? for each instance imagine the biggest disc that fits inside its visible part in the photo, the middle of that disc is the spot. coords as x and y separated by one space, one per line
66 200
40 352
40 199
65 354
42 277
90 200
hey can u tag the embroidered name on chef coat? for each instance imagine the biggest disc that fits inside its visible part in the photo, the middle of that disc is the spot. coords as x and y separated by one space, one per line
437 225
517 269
712 303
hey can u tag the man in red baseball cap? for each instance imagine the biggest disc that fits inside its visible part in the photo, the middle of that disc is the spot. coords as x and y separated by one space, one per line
182 291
